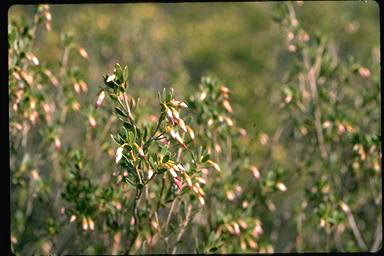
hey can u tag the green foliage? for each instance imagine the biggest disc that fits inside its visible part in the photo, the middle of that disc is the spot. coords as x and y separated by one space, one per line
162 156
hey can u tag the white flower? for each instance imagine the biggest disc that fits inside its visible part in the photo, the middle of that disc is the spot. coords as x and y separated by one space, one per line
119 154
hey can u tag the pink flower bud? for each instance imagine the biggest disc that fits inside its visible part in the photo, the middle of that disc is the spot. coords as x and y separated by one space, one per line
230 195
175 113
83 53
85 224
227 106
57 143
170 116
181 167
182 125
139 150
214 165
224 89
92 121
255 172
364 72
172 172
100 98
91 224
201 200
188 180
236 228
191 133
77 88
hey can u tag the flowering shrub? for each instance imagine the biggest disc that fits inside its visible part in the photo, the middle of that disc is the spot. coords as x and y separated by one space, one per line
100 170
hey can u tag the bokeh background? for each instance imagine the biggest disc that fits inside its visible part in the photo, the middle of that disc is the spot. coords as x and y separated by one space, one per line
174 44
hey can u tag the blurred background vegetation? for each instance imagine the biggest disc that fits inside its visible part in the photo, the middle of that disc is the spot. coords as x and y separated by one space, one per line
173 45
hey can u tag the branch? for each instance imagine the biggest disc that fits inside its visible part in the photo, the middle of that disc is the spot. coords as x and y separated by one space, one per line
378 236
353 225
183 228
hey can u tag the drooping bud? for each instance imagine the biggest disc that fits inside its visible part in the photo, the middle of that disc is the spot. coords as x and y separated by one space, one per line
245 204
229 121
48 16
214 165
33 58
83 86
77 88
119 154
201 200
73 218
345 207
183 105
100 98
91 224
110 78
230 195
182 125
236 228
85 224
170 117
150 174
92 121
139 150
181 167
203 95
172 172
177 181
227 106
57 143
252 243
255 172
188 180
83 53
243 224
224 89
364 72
201 180
175 114
280 186
191 133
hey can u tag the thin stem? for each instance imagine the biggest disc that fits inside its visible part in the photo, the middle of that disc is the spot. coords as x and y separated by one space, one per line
153 134
183 228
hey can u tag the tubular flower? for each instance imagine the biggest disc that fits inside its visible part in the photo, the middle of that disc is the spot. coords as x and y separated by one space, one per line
227 106
177 103
214 165
175 114
119 154
170 116
191 133
139 150
91 224
100 98
182 125
188 180
172 172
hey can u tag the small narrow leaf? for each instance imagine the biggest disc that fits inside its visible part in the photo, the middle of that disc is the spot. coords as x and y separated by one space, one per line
120 112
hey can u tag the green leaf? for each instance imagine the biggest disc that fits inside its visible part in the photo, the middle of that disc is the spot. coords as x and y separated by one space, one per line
125 74
128 126
205 158
120 112
131 137
165 158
